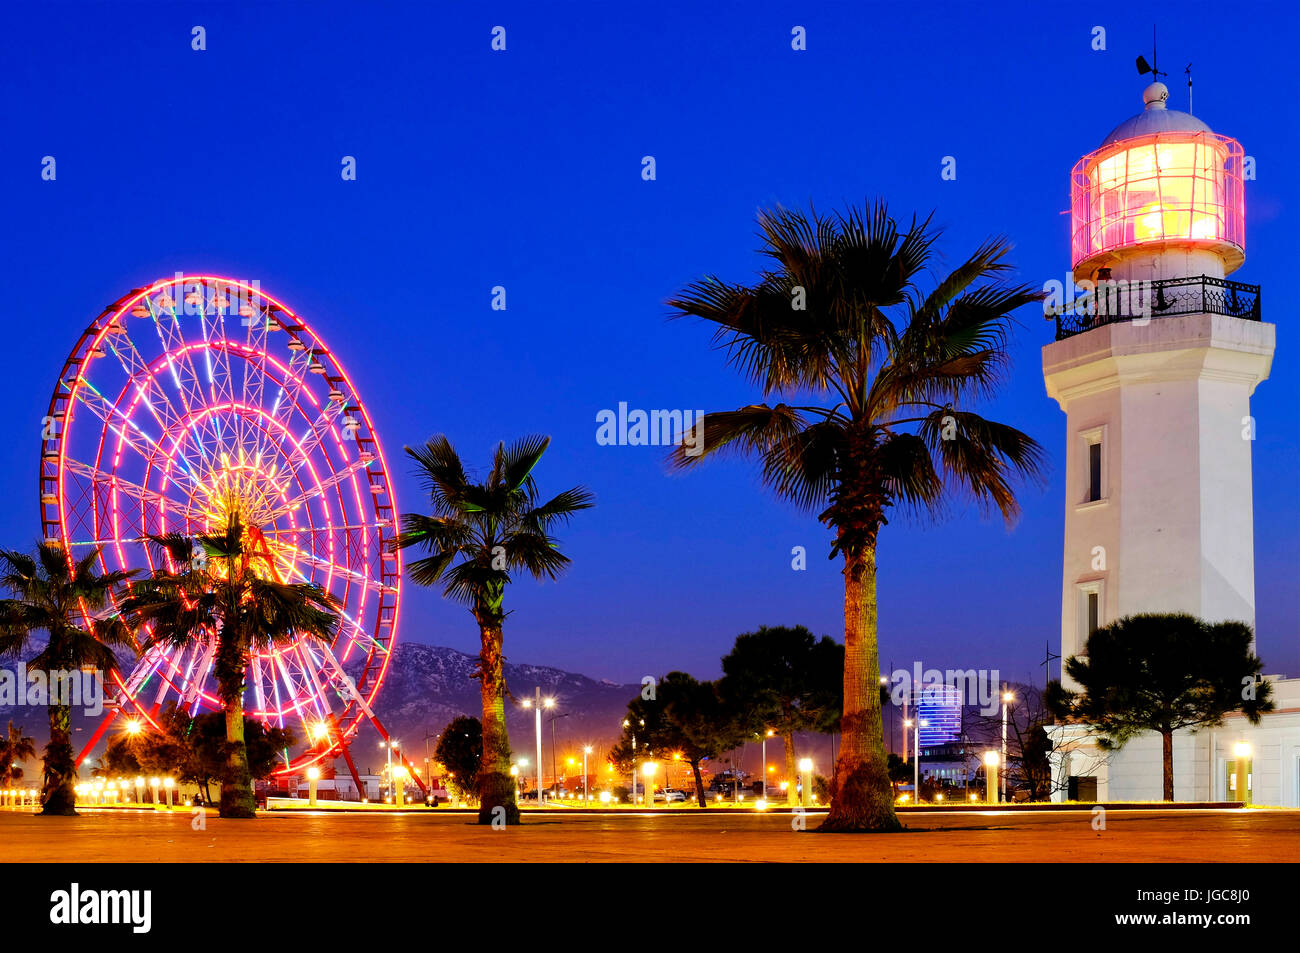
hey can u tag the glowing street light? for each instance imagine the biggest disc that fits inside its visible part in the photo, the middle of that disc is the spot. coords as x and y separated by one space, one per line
649 769
1241 776
586 798
313 775
805 781
399 774
1006 698
537 703
991 776
168 783
153 783
767 734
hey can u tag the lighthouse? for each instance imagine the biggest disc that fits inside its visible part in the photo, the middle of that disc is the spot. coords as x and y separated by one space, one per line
1154 369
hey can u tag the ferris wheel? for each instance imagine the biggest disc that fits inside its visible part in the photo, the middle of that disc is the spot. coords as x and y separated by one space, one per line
196 395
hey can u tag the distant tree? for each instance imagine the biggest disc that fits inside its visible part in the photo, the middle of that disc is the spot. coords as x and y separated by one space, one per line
460 750
62 598
479 537
685 717
15 748
1162 673
119 758
785 680
1035 765
900 772
1027 766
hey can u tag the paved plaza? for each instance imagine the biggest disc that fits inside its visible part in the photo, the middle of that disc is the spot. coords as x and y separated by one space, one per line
1058 836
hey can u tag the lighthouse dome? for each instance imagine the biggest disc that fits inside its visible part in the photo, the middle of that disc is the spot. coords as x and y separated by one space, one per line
1155 118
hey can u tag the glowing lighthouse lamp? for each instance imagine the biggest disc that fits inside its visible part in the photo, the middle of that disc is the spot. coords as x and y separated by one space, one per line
1162 198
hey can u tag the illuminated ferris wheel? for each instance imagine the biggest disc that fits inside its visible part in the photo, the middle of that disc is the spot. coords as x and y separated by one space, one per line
197 394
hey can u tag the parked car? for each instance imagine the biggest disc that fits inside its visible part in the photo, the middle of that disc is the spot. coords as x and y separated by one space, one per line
670 796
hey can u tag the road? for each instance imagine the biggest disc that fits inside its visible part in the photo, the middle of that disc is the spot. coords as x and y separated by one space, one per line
1138 836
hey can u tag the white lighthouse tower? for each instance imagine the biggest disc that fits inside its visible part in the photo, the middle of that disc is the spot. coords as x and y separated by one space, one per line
1155 375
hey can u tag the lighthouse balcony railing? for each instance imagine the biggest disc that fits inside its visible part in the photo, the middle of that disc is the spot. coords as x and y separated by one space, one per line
1115 301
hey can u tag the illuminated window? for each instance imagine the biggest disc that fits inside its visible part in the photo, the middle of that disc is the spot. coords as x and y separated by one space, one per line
1172 186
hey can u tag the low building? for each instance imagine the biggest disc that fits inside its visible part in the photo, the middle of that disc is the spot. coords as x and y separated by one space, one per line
1204 760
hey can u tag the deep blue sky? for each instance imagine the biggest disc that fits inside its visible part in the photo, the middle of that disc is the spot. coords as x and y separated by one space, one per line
522 169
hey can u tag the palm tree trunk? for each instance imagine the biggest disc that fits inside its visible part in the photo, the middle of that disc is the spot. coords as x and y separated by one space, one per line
496 788
237 797
58 793
791 795
1167 737
862 798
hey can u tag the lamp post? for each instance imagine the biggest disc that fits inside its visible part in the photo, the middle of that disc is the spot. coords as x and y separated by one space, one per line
1006 697
1241 774
907 723
585 796
399 785
767 734
139 790
514 773
627 724
648 769
153 783
537 703
805 781
916 755
555 772
991 776
168 784
313 775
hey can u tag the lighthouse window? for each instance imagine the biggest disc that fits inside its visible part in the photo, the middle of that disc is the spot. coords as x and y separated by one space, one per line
1094 471
1093 599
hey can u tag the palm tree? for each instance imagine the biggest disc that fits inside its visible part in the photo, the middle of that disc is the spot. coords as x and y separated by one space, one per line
61 598
223 586
477 535
15 748
841 316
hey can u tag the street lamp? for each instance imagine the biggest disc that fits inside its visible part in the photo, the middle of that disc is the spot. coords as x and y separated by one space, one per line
168 784
537 703
628 724
1006 697
916 754
585 796
805 771
648 769
990 776
313 775
1241 776
399 785
768 734
390 744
